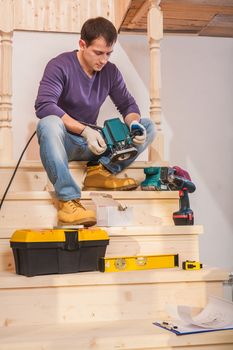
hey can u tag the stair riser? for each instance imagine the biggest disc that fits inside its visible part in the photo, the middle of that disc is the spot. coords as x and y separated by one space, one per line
187 248
37 180
101 345
43 213
43 306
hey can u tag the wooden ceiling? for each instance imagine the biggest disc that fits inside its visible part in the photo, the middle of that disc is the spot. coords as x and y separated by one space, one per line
196 17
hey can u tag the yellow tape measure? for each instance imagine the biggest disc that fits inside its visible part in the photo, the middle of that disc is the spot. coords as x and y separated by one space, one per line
191 265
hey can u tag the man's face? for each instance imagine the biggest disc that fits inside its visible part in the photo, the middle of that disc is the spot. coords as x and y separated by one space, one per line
96 55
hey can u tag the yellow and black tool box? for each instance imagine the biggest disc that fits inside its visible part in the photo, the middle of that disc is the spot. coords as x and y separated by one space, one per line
131 263
43 252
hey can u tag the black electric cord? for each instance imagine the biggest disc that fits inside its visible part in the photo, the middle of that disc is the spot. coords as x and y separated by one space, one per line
21 156
16 168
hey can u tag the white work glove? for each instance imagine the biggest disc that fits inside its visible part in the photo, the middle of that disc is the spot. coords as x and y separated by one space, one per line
95 141
136 126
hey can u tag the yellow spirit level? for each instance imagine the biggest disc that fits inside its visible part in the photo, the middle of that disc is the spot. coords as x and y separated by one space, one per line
145 262
191 265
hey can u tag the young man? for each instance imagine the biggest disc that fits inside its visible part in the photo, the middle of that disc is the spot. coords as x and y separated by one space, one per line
73 88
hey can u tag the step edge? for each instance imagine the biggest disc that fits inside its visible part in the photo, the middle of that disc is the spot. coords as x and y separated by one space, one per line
150 230
86 195
139 333
9 280
77 164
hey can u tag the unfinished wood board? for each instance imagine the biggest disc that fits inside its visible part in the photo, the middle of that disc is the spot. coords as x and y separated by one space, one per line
57 15
157 276
186 246
42 213
28 306
127 335
181 16
220 25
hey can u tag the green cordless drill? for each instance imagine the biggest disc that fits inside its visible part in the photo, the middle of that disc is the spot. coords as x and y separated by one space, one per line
169 179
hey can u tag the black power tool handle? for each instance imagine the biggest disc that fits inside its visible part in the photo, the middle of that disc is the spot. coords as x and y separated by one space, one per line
184 199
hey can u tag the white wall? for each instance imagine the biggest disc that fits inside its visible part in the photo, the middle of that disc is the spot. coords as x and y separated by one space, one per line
197 102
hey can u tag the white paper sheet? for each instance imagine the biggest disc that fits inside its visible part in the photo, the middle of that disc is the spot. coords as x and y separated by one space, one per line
218 313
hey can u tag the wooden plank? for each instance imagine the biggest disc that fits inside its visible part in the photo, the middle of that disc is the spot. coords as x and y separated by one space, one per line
127 335
6 256
58 16
184 22
6 232
28 306
217 32
75 165
220 25
121 8
187 246
44 215
199 2
143 195
10 280
38 209
140 16
31 176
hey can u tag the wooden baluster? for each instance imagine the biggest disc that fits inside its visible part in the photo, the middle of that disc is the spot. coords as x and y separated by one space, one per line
155 34
6 34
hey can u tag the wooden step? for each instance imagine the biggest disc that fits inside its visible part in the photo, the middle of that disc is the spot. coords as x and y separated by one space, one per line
95 296
31 175
38 208
127 335
136 240
135 334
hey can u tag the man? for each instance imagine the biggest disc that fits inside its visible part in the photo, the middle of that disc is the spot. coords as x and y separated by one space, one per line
73 88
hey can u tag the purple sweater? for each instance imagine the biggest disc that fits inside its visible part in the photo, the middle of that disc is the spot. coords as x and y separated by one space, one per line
66 88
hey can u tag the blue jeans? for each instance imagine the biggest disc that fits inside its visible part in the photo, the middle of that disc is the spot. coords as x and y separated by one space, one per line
58 147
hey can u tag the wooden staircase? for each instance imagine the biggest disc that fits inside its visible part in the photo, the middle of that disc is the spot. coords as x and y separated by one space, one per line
102 310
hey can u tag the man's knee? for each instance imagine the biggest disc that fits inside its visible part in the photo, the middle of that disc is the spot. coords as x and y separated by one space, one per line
51 126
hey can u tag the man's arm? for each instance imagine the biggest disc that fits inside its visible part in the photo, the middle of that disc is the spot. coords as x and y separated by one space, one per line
72 125
131 117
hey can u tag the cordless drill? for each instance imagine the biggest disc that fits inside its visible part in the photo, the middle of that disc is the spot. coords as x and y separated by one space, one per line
172 179
184 216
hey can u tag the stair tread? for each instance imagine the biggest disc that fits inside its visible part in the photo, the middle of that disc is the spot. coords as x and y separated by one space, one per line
146 230
78 164
137 194
9 279
130 334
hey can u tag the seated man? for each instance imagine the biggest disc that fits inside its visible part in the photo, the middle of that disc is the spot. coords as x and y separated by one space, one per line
74 86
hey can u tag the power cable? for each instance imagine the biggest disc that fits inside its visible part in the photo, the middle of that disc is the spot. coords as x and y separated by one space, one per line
16 168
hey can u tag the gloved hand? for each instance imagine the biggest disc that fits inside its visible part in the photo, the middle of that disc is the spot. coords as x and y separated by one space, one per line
136 126
95 141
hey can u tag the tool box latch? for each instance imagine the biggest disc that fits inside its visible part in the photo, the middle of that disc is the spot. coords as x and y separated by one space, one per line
71 242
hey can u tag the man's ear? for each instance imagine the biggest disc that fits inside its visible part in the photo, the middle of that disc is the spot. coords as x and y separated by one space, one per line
82 44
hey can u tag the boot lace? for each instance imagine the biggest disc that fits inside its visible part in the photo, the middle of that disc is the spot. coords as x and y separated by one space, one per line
75 204
106 172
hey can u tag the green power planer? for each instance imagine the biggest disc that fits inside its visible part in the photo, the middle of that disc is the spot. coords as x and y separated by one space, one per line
119 140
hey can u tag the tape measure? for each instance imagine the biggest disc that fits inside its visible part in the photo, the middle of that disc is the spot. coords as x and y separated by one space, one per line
191 265
145 262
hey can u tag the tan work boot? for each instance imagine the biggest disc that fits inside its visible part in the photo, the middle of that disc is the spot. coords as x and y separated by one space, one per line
99 178
72 212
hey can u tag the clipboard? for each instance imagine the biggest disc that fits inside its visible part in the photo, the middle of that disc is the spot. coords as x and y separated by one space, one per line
181 329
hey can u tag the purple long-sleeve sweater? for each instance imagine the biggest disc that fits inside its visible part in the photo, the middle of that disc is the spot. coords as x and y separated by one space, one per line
66 88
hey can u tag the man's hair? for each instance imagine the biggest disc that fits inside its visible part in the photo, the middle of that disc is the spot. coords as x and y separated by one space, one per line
97 27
